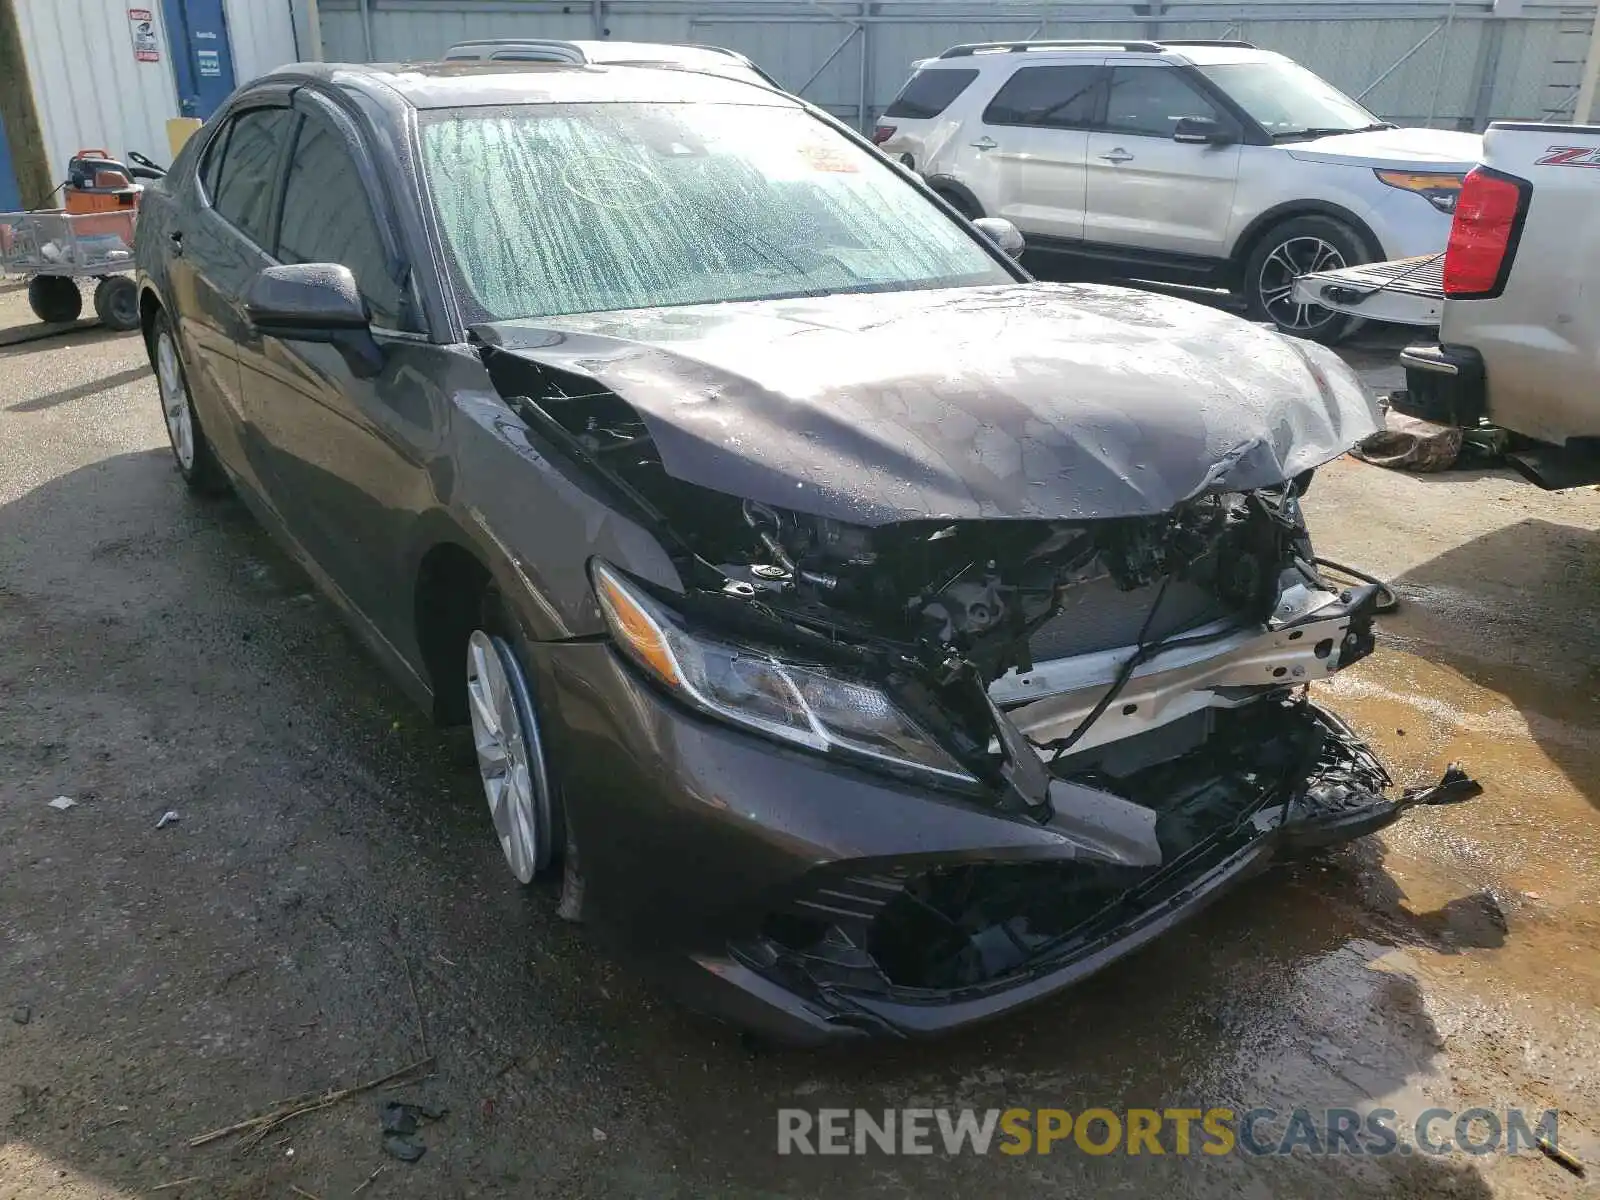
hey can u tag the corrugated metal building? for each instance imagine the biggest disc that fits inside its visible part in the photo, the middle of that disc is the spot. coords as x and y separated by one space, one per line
111 72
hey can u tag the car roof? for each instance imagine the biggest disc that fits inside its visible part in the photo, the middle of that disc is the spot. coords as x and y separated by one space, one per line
609 51
1197 52
467 83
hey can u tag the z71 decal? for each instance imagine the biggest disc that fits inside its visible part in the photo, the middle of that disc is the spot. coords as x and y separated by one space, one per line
1571 156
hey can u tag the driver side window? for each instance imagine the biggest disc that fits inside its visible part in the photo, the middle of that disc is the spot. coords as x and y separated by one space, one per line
328 217
1150 101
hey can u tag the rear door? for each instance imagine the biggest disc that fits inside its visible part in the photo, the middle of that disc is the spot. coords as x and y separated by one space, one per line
345 452
215 248
1147 191
1024 158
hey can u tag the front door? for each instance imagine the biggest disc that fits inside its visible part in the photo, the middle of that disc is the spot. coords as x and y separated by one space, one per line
1147 191
345 452
202 60
1024 159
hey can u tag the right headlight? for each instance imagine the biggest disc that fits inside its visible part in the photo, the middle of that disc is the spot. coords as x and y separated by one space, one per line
1437 188
796 703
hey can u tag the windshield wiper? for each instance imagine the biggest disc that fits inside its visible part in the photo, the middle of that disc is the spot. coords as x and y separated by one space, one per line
1316 131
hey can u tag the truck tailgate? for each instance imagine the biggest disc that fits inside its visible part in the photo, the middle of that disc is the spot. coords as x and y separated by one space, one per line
1407 291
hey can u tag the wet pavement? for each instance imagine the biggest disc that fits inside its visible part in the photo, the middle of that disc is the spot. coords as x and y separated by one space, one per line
330 859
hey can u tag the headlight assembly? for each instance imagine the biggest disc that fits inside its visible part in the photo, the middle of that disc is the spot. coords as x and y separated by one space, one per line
744 686
1440 191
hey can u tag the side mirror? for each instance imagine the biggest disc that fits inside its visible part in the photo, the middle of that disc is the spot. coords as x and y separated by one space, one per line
315 302
1201 131
1003 234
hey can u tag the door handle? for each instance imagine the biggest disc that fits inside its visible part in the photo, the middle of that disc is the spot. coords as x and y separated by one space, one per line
984 143
176 238
1118 155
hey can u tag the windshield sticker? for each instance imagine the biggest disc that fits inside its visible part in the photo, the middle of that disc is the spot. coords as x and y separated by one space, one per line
823 157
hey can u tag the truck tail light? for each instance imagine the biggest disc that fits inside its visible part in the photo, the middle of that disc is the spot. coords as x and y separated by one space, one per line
1484 233
881 134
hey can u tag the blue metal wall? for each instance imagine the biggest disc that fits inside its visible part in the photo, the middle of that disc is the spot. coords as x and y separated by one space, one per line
10 199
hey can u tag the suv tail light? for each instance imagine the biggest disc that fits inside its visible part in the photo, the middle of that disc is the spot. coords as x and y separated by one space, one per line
1484 233
881 134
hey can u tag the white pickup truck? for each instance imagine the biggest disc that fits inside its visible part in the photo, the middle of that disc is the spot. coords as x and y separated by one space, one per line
1516 297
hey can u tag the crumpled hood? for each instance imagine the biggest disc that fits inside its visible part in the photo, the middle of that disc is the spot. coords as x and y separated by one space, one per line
1420 149
1015 401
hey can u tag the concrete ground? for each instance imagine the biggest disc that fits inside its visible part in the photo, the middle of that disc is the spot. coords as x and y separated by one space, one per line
331 856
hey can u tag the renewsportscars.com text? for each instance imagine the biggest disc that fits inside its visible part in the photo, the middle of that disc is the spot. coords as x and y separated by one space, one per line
1174 1131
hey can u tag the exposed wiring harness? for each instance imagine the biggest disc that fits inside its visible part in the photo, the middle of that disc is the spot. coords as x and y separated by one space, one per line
1387 600
1057 747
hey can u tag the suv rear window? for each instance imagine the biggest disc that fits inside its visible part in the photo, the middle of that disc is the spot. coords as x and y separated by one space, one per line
928 93
1065 97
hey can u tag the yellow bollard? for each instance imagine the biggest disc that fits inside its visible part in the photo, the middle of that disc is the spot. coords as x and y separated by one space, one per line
179 131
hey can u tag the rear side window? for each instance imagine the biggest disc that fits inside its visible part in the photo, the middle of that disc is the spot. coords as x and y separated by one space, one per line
327 217
928 93
247 180
1065 97
211 162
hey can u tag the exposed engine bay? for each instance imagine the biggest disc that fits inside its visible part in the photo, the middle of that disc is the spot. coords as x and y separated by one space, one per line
948 615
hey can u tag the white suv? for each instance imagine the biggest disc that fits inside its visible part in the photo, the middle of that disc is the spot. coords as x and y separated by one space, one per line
1208 163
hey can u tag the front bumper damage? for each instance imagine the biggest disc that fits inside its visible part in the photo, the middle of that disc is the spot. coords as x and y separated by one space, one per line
812 901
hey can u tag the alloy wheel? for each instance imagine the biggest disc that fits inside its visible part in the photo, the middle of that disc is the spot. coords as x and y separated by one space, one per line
175 401
510 754
1294 257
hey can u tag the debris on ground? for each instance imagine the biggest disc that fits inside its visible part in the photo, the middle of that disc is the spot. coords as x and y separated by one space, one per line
167 818
1454 786
264 1124
62 803
400 1122
1411 444
1408 443
1559 1156
22 1014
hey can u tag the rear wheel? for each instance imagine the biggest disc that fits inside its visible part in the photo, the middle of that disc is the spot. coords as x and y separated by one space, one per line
190 447
1298 247
54 298
116 303
961 204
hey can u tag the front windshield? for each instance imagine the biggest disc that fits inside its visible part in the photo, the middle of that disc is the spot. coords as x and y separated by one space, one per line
1289 100
555 209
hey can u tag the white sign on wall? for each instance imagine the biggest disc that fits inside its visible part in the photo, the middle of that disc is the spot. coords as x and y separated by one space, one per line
146 42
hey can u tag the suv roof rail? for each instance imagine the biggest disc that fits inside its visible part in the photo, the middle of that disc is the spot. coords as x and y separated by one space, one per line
971 48
1234 42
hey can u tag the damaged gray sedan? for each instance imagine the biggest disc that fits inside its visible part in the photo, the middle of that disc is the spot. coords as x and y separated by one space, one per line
870 638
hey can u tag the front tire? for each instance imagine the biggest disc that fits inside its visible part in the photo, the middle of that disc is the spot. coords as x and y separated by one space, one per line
512 764
1297 247
197 462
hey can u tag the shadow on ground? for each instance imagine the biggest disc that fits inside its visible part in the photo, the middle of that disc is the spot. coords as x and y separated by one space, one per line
1513 611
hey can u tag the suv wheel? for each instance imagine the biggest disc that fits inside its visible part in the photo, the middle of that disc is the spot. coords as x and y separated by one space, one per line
1298 247
960 203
